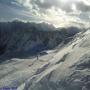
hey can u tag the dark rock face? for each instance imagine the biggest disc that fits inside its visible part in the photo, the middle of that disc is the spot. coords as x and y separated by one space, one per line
27 38
2 49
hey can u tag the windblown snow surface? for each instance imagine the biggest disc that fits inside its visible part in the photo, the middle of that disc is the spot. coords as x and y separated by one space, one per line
65 68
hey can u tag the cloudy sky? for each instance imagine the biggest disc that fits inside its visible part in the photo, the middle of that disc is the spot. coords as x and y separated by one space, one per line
58 12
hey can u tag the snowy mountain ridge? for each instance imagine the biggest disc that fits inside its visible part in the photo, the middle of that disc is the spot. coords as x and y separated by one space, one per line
67 70
65 67
18 39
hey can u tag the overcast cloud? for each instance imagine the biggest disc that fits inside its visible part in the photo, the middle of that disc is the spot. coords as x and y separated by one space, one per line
52 11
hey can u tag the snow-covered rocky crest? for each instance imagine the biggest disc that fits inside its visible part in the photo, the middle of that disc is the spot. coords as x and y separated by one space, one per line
69 69
65 66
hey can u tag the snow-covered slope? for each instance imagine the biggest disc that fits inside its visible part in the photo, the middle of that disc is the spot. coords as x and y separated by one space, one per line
65 67
69 69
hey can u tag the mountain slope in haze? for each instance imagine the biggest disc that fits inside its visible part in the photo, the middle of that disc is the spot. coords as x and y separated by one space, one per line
69 69
18 39
63 62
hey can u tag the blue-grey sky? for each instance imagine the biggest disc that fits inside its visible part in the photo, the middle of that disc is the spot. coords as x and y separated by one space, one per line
52 11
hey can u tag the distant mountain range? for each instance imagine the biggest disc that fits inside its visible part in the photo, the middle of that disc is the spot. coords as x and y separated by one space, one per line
18 38
38 56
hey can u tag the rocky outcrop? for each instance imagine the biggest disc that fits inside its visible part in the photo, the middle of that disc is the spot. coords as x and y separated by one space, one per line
27 38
